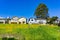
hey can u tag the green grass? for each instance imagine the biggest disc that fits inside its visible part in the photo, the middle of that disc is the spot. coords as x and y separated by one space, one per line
32 32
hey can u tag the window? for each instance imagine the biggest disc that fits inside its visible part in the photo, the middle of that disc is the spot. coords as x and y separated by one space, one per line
23 22
19 22
31 19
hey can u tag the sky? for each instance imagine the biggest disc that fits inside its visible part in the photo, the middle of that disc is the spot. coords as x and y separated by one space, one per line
26 8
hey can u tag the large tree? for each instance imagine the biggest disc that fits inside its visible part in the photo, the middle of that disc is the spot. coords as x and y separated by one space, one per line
41 11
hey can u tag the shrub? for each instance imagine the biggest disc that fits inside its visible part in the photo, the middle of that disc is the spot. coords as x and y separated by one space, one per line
11 39
4 38
58 24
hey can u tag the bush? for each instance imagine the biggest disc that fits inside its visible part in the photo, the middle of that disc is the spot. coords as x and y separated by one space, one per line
4 38
58 24
11 39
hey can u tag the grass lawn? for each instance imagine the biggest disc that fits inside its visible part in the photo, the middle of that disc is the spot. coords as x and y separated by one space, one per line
31 32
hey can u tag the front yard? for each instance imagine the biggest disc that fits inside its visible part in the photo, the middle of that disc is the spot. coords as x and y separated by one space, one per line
30 32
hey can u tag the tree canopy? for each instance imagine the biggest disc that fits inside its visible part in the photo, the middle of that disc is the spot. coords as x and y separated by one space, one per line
41 11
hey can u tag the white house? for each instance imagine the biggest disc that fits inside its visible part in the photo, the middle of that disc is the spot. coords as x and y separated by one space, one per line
37 21
32 21
22 20
2 20
14 20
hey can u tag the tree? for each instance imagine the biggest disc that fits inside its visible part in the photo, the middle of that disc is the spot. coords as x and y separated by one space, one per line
53 19
41 11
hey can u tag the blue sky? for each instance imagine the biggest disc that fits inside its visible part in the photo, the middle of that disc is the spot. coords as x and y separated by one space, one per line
26 8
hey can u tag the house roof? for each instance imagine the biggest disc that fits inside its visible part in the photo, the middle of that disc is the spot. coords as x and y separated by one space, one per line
14 17
22 17
2 18
37 18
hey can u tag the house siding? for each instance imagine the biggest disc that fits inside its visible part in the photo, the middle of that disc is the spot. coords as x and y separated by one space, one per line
22 20
37 21
2 21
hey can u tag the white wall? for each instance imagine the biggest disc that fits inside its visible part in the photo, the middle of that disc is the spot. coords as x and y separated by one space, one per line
2 21
22 20
13 21
37 21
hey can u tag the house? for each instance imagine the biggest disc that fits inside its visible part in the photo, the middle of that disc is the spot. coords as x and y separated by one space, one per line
14 20
32 21
2 20
37 21
22 20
